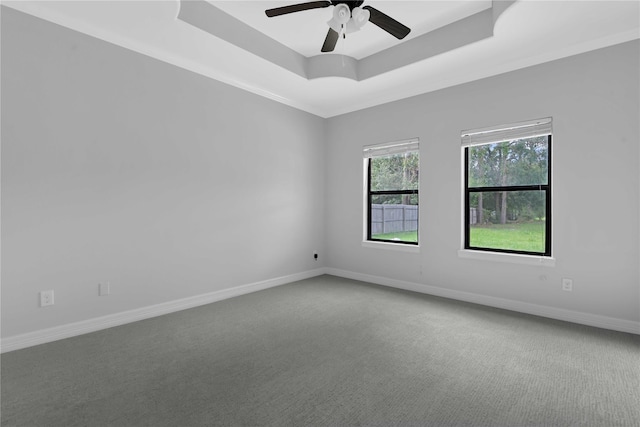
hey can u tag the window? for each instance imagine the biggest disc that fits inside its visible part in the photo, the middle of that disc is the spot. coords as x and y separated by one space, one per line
392 192
507 188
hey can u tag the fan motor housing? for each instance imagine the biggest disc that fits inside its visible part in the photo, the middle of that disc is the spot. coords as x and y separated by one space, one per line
351 4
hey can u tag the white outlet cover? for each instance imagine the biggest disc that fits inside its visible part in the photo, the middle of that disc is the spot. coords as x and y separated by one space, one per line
46 298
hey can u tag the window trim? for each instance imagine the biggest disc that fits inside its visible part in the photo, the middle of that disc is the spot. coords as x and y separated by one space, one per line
542 261
547 188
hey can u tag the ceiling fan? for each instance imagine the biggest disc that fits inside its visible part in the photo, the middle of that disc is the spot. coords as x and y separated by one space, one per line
348 16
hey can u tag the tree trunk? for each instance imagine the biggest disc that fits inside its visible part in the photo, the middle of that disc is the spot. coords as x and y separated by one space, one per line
503 208
503 182
406 176
480 215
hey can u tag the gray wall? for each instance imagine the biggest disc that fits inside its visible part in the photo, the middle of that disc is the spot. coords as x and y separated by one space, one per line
593 99
118 167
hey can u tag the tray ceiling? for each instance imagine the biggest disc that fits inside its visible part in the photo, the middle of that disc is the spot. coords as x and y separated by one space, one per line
304 32
383 69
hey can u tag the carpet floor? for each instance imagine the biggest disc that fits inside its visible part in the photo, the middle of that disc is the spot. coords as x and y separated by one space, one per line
329 351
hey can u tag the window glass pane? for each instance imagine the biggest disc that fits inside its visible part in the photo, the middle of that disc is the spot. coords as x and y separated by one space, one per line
396 172
395 217
508 220
519 162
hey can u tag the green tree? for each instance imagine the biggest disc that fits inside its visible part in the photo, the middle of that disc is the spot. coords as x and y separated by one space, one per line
509 163
396 172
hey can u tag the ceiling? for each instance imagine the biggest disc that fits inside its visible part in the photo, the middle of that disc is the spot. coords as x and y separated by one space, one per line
298 31
451 42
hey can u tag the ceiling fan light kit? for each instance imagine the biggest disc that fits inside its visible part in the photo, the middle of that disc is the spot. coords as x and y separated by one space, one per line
359 17
341 15
348 17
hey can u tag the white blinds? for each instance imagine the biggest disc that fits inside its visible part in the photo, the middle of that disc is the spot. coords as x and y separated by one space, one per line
390 148
510 132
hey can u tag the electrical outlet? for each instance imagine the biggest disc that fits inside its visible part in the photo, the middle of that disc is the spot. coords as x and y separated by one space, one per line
315 255
46 298
567 285
104 289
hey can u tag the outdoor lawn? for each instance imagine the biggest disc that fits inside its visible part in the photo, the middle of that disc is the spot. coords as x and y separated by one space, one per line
525 236
402 236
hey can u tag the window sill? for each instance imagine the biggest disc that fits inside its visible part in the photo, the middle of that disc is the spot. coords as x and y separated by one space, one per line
510 258
392 246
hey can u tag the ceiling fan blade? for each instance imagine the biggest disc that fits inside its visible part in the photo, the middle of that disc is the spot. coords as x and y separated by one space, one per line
330 41
387 23
296 8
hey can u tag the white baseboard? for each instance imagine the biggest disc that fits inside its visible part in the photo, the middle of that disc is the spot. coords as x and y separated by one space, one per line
588 319
43 336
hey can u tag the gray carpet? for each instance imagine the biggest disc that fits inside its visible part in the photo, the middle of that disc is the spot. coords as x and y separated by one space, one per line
326 352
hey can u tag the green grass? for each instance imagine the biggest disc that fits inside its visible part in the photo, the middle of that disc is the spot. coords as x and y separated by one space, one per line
528 236
402 236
